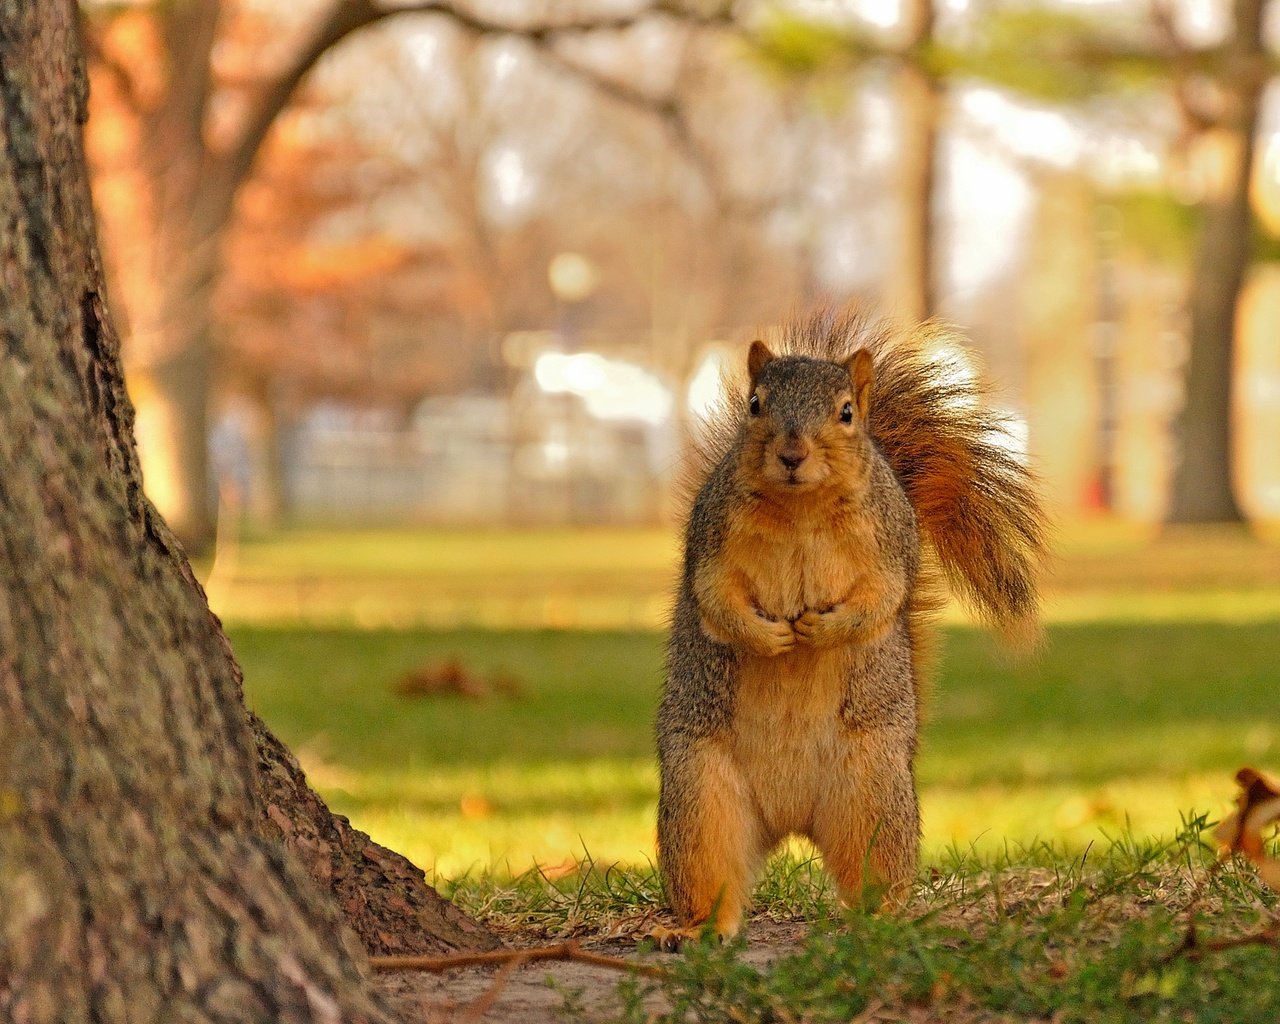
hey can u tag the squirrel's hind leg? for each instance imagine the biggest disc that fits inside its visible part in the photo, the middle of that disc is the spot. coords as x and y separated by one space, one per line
867 827
709 843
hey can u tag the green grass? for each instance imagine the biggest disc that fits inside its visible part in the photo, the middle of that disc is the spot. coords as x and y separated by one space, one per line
599 578
607 578
1059 874
1115 725
461 785
1122 931
1138 709
982 942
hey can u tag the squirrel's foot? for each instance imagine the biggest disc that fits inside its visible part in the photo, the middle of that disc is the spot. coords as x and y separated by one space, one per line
674 940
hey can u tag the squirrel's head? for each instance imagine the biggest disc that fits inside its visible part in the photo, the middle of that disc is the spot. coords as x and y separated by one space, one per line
806 423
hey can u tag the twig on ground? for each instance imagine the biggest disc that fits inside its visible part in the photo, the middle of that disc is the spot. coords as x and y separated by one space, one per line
1195 947
570 950
477 1010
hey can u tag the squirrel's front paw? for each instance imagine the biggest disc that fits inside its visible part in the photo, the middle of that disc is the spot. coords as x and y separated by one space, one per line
776 637
819 629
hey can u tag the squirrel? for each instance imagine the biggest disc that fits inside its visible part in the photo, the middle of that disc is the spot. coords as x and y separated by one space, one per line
829 492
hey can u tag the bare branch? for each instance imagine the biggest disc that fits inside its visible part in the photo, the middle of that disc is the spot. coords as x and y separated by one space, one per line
669 112
347 16
549 31
189 31
1181 59
664 107
343 18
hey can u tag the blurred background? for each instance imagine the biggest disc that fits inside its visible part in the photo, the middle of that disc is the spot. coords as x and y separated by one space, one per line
420 302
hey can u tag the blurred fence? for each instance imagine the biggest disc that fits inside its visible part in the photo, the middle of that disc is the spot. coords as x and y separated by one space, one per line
464 461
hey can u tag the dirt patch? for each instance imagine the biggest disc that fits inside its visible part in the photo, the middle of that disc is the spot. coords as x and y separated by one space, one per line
539 993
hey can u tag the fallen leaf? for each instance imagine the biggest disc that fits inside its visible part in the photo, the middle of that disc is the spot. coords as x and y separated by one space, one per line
1257 808
452 677
475 806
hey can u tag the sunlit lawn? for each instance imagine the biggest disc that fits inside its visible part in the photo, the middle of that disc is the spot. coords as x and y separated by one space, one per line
1161 677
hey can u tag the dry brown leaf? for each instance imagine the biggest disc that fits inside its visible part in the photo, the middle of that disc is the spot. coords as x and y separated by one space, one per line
1257 808
453 677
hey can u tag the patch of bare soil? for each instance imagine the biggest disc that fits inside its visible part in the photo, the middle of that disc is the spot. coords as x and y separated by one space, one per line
523 994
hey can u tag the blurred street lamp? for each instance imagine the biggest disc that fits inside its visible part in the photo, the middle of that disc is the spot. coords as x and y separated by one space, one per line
572 277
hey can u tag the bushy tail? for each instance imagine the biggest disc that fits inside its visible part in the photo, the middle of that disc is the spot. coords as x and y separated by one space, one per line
973 494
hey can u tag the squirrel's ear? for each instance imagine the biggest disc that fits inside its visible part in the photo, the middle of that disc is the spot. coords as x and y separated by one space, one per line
757 357
860 366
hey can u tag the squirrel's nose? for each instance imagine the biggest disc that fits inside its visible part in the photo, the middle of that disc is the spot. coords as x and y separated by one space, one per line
793 453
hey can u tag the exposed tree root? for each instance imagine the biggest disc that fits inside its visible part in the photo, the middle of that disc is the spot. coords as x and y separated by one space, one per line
512 958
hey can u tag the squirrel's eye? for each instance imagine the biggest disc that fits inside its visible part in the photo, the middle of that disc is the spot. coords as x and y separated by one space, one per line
846 413
754 405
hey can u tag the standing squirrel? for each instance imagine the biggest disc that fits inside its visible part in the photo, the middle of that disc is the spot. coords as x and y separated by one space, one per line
829 489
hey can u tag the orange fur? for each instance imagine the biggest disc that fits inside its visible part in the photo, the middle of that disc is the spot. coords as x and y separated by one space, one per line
722 848
977 503
831 500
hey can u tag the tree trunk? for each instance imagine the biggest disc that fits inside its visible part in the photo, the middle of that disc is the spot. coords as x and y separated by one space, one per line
1202 485
270 502
137 876
381 895
913 292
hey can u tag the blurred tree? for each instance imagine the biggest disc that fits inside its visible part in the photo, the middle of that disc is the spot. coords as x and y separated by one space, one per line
1060 55
1217 88
197 129
1227 126
141 867
306 313
1057 300
920 98
392 234
911 49
459 196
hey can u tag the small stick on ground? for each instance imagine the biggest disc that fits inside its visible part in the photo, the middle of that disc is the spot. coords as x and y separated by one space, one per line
1195 947
570 950
477 1010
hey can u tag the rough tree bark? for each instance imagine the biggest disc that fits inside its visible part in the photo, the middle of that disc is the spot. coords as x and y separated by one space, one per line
1202 489
381 895
137 875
